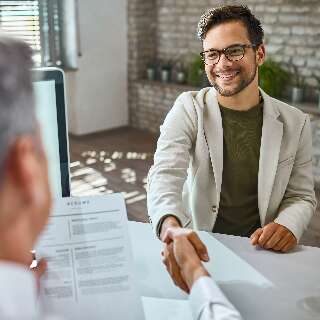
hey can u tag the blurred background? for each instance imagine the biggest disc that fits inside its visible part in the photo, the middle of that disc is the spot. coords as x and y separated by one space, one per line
126 61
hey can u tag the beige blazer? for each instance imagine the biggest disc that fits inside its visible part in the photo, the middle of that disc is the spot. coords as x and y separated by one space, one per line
185 179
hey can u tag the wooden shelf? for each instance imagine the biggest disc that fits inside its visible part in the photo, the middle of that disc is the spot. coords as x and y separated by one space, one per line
307 107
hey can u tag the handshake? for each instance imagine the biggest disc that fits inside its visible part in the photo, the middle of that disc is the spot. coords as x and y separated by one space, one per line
184 252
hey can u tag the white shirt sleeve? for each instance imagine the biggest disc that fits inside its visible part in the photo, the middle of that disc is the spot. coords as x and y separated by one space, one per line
209 303
18 294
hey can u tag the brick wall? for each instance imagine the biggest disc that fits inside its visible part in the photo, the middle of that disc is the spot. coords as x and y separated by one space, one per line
141 47
153 101
166 29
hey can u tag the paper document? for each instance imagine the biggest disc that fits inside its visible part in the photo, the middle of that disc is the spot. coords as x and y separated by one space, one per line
166 309
90 265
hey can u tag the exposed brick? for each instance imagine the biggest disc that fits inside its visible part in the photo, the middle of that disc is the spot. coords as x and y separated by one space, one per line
166 30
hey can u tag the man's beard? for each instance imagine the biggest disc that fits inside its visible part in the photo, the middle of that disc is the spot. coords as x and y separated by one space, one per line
244 82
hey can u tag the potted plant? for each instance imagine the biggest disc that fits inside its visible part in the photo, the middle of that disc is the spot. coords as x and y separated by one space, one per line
180 73
196 71
165 71
152 70
318 88
297 82
273 78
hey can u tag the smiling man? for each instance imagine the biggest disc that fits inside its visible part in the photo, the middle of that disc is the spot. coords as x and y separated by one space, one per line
231 159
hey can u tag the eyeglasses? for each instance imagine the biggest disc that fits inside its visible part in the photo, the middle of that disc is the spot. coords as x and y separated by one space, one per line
232 53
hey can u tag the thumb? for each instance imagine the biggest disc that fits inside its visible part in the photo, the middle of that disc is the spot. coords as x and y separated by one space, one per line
168 236
199 246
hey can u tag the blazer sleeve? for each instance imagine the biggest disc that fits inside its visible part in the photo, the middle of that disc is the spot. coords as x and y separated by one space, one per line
171 161
299 201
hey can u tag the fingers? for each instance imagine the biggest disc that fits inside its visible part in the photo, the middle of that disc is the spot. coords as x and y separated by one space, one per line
274 236
255 236
282 243
172 267
168 235
176 276
173 233
287 243
266 235
289 246
199 246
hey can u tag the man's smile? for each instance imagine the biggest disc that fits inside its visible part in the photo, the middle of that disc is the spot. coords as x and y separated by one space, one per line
226 75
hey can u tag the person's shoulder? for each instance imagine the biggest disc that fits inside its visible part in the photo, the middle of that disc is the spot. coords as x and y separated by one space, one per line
286 108
194 97
286 112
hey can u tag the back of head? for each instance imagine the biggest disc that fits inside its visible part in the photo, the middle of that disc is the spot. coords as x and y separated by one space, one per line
17 115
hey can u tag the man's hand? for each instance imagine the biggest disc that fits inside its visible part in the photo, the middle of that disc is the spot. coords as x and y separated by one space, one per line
173 268
169 259
274 236
186 257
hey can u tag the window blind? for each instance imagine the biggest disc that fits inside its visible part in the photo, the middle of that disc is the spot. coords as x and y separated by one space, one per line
48 26
21 19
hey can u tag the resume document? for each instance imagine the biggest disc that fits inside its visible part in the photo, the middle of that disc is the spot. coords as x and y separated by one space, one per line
90 266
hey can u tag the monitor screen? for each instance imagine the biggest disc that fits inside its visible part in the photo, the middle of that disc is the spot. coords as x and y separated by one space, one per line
50 111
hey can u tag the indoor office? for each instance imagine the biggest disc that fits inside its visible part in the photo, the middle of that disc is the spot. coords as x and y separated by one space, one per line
107 76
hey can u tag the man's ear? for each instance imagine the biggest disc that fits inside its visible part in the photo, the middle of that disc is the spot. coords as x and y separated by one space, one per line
261 54
24 169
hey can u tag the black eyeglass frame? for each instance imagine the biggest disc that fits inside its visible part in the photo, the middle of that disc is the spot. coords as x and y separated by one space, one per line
243 46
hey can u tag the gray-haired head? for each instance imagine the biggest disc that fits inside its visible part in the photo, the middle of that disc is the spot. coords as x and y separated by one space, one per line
17 115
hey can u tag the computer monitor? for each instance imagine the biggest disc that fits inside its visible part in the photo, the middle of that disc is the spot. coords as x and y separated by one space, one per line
51 113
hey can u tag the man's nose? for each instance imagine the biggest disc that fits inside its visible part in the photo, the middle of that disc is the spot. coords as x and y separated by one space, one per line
223 61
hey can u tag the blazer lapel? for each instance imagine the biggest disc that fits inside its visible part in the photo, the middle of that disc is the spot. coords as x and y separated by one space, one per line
272 131
212 124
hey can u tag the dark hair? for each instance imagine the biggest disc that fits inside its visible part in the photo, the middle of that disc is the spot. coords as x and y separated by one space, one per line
216 16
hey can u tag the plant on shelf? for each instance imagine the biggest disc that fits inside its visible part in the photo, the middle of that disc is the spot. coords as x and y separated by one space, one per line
165 71
273 78
317 78
297 84
152 70
196 71
180 72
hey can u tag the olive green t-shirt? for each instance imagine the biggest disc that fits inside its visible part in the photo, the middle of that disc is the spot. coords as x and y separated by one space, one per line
238 211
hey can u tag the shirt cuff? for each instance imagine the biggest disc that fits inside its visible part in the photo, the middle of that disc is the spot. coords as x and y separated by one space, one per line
18 294
159 226
205 292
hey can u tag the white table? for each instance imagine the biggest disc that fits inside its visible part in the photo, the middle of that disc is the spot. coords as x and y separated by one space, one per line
261 284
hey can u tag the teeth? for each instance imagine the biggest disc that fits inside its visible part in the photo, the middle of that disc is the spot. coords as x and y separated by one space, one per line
227 75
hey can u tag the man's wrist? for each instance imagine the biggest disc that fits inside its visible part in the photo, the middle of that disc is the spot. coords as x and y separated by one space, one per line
168 222
192 273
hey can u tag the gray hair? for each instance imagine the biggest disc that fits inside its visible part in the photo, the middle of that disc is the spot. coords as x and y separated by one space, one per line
17 114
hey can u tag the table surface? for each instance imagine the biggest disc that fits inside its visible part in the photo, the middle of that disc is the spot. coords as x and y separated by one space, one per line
261 284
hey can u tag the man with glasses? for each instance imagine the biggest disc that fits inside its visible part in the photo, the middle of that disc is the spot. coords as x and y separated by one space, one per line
231 159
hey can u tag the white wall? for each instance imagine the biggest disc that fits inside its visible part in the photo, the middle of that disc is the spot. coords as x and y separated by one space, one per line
97 91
